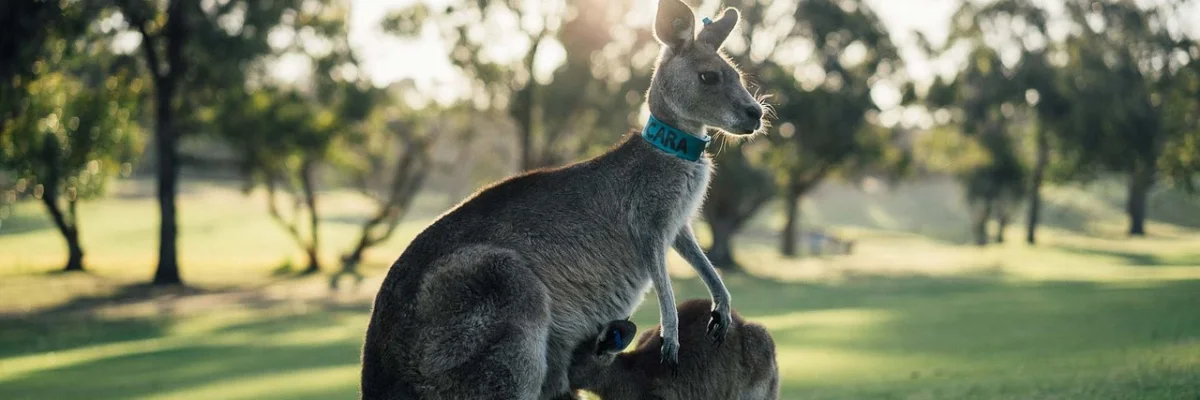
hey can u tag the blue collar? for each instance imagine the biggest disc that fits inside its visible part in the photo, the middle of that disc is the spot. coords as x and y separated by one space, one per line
673 141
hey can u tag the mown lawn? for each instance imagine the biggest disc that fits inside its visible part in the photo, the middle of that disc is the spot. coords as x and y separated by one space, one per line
911 315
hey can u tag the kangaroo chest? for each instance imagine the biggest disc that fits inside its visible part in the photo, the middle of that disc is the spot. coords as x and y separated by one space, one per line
607 276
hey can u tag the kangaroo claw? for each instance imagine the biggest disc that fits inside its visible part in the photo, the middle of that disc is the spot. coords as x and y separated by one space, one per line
718 325
670 355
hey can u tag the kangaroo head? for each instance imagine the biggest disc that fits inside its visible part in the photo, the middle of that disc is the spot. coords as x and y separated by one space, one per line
694 86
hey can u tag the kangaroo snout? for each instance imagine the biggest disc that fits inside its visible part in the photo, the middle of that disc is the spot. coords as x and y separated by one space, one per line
750 120
754 112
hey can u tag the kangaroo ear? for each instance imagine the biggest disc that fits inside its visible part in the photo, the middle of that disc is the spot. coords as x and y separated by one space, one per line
615 337
674 26
714 33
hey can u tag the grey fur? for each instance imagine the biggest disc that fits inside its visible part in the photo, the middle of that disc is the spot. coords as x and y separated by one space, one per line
491 299
744 368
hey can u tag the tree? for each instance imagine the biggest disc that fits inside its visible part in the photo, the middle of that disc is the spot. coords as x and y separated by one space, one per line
68 118
737 191
995 186
821 94
1033 82
165 74
283 137
285 131
1125 60
985 99
195 51
1047 91
559 110
72 133
1181 108
397 158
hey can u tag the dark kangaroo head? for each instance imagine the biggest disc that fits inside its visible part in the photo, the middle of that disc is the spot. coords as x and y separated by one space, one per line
742 368
694 86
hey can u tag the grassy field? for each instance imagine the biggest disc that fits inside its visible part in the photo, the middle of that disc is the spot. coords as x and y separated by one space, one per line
912 314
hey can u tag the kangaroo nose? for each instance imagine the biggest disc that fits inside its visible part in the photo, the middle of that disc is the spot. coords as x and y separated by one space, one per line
754 112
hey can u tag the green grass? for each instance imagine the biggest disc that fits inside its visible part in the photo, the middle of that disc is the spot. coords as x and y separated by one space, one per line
912 315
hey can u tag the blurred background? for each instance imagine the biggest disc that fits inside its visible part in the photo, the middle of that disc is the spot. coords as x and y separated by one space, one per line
957 199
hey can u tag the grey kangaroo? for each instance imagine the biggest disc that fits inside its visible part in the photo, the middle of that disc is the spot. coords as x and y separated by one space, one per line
743 368
490 300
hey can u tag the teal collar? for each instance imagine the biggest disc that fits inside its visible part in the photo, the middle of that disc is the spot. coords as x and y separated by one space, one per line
673 141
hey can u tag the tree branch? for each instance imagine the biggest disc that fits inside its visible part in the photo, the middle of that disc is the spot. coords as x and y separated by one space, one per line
409 175
138 21
50 200
803 185
752 206
273 210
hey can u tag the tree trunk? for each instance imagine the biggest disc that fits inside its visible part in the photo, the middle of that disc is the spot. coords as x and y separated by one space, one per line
74 249
351 260
721 251
981 223
350 263
1140 181
524 99
1035 191
1003 223
167 272
68 229
310 199
524 109
75 254
791 205
166 138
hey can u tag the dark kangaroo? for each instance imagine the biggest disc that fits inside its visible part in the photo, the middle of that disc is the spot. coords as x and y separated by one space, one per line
743 368
490 300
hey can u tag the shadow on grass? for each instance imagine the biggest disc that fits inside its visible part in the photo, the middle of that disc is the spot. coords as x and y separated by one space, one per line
246 352
19 223
44 334
73 324
1133 258
78 323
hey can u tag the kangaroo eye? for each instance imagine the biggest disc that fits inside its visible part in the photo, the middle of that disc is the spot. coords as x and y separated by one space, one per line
709 77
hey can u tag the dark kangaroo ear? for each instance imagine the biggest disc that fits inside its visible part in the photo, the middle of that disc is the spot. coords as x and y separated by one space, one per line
714 33
615 337
674 26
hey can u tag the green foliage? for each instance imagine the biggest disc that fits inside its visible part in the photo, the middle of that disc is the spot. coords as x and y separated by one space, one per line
944 149
990 167
1180 161
283 132
71 120
273 130
576 107
279 127
30 27
823 102
1131 90
224 49
73 137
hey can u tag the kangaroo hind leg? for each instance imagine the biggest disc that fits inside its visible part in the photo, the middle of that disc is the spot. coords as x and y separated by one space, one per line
487 319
